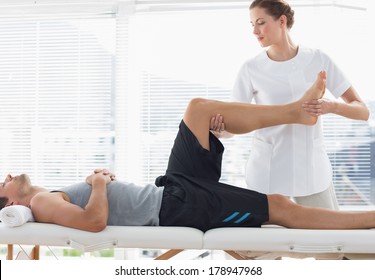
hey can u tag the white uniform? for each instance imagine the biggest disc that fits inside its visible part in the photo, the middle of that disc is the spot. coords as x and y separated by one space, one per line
287 159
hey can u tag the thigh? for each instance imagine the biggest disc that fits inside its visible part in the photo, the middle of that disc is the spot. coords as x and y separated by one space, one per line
239 207
188 157
206 204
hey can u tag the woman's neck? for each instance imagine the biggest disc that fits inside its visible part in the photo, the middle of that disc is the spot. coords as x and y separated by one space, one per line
283 51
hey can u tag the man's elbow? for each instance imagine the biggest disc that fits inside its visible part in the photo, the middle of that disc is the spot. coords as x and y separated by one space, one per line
97 227
365 113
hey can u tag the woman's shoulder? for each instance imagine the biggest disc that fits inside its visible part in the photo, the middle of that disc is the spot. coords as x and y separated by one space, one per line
306 55
253 63
311 52
258 58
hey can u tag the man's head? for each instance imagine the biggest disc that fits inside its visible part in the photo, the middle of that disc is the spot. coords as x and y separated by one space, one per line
15 190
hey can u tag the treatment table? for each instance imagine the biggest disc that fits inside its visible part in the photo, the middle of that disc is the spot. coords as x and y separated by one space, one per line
269 242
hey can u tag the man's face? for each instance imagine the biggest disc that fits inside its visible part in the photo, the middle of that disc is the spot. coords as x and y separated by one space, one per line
15 188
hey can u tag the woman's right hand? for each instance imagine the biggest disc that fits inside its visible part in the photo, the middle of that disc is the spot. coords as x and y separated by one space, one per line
217 126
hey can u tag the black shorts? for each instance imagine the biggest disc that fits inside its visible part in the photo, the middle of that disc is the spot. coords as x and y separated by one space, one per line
193 195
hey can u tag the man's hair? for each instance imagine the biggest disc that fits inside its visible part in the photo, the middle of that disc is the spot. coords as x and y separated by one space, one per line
3 202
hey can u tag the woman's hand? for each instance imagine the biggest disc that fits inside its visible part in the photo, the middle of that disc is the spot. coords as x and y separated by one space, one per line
319 107
217 126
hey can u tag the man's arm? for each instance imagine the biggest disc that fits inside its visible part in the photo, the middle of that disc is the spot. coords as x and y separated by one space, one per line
55 207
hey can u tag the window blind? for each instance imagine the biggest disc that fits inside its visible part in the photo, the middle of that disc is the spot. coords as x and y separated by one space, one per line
163 104
158 81
56 119
348 144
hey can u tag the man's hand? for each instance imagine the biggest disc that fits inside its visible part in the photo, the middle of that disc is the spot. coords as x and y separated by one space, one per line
106 172
100 175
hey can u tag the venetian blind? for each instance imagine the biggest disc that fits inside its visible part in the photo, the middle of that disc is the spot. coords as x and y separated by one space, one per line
162 74
56 93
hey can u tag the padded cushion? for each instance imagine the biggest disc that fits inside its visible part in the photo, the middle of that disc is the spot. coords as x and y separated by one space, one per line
112 236
278 239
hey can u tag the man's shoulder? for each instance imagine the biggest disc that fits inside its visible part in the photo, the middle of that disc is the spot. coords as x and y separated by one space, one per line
45 204
45 197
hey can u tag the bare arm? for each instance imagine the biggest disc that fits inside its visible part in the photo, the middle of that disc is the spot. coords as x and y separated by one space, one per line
353 108
56 208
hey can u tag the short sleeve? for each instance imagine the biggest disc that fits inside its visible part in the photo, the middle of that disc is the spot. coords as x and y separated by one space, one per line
243 88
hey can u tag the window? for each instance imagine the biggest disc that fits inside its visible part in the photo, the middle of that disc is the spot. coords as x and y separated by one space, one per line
172 61
56 88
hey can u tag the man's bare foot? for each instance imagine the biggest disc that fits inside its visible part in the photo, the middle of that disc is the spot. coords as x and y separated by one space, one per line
316 91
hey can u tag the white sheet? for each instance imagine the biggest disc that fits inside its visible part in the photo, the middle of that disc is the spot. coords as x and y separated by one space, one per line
16 215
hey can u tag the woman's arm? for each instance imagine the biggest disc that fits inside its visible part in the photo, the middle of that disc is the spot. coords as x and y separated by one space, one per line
353 108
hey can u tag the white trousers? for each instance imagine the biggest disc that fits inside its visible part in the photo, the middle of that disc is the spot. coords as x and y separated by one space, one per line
324 199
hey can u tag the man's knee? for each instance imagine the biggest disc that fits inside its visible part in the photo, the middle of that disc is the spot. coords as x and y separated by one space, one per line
278 204
197 103
278 199
196 107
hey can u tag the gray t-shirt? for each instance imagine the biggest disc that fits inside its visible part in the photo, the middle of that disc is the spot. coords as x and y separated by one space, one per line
129 204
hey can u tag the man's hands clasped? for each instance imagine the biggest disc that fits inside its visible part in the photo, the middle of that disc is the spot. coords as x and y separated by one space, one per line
100 175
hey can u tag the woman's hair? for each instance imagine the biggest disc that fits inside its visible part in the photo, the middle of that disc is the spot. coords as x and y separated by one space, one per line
276 8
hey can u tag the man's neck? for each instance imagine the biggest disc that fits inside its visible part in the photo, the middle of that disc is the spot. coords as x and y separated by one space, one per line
33 191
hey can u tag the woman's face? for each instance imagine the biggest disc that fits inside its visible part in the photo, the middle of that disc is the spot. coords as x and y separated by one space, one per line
266 29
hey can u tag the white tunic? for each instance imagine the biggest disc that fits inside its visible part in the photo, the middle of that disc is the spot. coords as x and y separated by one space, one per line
287 159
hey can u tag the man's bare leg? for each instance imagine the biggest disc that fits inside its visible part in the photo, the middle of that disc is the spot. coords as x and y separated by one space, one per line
242 118
284 212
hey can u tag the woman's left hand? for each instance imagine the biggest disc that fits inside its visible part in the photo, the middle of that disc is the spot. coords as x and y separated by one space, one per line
318 107
217 126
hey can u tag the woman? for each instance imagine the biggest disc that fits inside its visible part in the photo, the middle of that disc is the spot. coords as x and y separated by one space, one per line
290 159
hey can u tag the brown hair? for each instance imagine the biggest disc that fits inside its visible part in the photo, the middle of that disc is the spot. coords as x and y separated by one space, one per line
3 202
276 8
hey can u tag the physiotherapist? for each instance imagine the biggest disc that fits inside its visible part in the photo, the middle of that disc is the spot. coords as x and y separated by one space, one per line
290 159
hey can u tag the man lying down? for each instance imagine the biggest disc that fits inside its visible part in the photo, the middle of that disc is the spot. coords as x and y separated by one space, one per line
189 194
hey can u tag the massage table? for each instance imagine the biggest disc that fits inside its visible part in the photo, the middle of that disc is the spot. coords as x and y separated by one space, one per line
269 242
